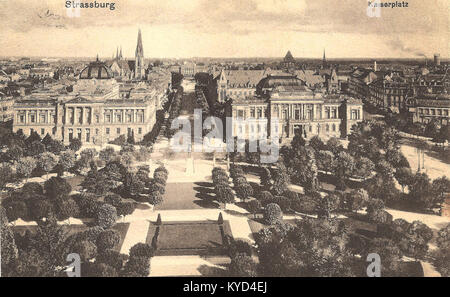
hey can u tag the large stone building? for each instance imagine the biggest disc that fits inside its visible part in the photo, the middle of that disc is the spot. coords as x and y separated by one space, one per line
284 105
94 111
389 93
430 107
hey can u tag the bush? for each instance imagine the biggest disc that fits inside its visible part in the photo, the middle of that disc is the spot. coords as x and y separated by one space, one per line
86 249
236 247
137 267
112 258
68 209
113 199
92 234
141 250
16 209
107 239
125 208
254 206
243 266
283 202
41 209
304 204
156 198
106 216
30 189
158 188
272 214
265 197
88 204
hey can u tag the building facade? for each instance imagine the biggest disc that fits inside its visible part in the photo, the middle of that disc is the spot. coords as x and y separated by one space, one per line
285 106
94 112
427 108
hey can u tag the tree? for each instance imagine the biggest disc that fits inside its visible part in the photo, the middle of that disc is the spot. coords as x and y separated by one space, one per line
356 199
272 214
6 174
47 161
345 165
385 170
106 216
244 191
107 154
137 267
14 153
420 190
390 255
86 249
41 209
67 159
68 209
254 206
243 266
334 145
329 204
224 194
265 197
25 167
441 186
15 209
280 180
316 143
112 258
156 198
403 175
9 251
75 144
57 187
266 178
141 250
325 161
108 239
113 199
442 254
36 148
363 167
125 208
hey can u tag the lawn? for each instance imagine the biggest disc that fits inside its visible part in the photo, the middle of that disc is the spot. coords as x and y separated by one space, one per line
122 228
186 196
190 238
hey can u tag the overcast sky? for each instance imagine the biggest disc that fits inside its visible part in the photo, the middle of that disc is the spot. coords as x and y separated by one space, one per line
228 28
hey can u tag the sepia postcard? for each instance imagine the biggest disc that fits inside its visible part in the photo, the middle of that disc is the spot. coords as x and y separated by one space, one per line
240 139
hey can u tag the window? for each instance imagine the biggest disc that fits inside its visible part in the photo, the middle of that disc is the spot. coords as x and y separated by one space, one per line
141 118
42 118
97 118
107 131
42 131
252 113
22 118
32 118
119 118
310 128
259 113
139 130
129 117
327 127
333 113
108 118
334 127
118 130
96 131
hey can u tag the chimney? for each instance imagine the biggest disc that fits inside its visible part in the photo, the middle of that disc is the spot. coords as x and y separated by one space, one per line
437 59
375 66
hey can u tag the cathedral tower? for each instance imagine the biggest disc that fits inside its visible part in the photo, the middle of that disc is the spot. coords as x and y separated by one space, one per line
139 67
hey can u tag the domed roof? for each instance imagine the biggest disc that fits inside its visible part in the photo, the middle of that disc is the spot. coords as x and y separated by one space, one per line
97 70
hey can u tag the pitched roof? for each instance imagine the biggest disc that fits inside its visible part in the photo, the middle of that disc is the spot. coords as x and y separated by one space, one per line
289 58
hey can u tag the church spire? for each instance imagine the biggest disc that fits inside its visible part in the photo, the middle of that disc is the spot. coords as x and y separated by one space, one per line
117 53
324 60
120 55
139 47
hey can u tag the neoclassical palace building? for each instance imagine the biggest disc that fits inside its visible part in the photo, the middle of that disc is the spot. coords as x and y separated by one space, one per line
296 109
94 111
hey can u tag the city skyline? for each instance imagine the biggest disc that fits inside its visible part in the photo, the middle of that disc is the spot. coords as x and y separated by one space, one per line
234 29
